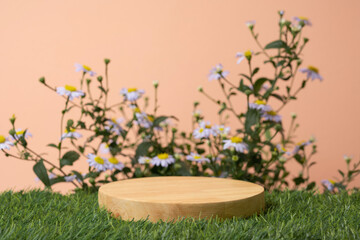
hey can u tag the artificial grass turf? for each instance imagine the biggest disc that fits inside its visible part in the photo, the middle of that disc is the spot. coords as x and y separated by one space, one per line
289 215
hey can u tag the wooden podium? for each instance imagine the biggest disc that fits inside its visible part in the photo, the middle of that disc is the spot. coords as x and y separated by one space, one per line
171 198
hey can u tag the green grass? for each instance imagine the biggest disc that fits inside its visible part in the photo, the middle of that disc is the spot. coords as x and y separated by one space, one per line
288 215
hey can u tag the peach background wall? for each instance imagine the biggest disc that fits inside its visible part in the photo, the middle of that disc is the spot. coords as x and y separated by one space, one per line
175 42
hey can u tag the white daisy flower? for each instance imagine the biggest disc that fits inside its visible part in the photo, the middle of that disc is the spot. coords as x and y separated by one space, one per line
19 133
250 24
163 160
101 164
144 120
260 105
236 143
299 145
114 163
217 72
69 91
70 178
271 116
221 130
311 72
131 94
197 158
4 143
114 125
104 148
242 55
70 134
204 131
84 69
144 160
303 20
282 149
329 184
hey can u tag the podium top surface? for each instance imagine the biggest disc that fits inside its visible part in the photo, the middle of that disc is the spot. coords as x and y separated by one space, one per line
184 190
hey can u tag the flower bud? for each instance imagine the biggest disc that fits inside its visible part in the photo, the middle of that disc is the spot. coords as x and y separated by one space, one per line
282 159
12 132
306 40
281 13
235 158
156 84
42 80
248 54
91 180
12 119
312 139
278 127
107 61
248 92
174 130
177 166
196 104
347 159
100 78
293 115
200 89
88 81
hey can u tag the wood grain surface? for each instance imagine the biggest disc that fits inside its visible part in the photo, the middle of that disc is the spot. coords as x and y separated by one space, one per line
171 198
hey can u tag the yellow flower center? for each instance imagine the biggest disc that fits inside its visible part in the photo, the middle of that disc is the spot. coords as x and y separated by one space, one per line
137 110
114 120
99 160
20 132
201 130
283 149
236 139
272 113
247 54
208 126
332 182
70 88
147 160
2 139
113 160
87 68
301 142
150 118
132 89
163 156
71 130
197 157
313 69
221 129
303 18
260 102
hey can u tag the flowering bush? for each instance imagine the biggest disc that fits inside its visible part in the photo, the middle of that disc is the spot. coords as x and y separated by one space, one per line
127 140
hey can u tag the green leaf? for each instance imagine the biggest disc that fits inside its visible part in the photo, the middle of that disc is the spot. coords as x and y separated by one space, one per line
142 149
251 118
276 44
310 186
69 158
341 173
69 123
41 173
256 70
53 145
257 85
158 120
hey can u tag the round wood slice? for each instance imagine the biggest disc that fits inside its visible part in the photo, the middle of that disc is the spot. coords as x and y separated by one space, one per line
171 198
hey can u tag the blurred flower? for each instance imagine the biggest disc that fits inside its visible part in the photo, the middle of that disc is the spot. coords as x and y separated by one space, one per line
217 72
114 125
84 69
221 130
236 143
204 131
104 148
19 133
70 178
114 163
243 55
144 120
197 158
282 149
101 164
303 20
70 134
260 105
299 145
131 94
144 160
4 143
271 116
312 72
250 24
163 159
197 113
329 184
348 158
69 91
